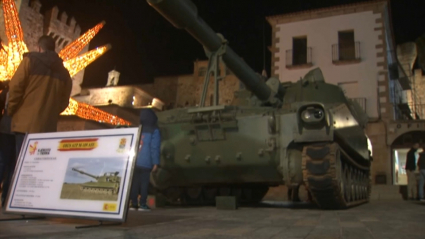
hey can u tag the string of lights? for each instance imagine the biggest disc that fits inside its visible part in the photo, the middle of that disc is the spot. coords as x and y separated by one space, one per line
71 50
87 111
80 62
16 46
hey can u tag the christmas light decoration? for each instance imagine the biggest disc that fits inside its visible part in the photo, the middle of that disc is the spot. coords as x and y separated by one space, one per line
12 53
87 111
16 46
71 50
80 62
3 61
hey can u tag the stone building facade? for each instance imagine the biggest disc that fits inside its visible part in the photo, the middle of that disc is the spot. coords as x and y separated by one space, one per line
186 90
34 24
355 48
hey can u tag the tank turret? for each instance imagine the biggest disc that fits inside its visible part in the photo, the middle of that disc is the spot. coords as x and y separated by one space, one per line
184 15
108 183
82 172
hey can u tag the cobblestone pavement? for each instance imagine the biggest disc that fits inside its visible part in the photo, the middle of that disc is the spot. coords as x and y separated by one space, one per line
380 219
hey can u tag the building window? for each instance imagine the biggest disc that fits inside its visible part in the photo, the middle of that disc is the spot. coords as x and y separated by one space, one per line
299 47
346 45
300 55
202 71
228 71
347 50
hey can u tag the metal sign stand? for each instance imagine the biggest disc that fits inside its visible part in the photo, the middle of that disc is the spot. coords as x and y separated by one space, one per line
22 218
101 223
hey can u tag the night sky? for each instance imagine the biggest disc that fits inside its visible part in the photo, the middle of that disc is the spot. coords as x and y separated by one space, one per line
145 45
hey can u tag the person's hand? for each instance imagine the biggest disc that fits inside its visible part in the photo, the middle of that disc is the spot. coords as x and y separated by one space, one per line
155 167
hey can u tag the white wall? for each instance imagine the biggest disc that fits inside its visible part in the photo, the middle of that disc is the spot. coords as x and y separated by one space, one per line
321 35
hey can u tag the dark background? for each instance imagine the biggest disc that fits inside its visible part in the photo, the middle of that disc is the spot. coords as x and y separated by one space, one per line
145 45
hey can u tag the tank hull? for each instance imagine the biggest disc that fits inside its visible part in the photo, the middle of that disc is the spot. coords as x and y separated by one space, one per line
259 147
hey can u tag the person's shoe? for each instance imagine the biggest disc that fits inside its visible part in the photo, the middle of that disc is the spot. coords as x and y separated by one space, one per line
144 208
422 200
133 209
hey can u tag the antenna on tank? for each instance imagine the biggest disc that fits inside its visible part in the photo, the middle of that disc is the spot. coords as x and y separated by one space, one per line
264 73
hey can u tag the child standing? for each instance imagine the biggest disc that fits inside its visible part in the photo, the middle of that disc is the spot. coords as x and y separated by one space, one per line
147 159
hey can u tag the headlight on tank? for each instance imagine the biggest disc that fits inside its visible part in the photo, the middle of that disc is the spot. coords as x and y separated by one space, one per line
312 115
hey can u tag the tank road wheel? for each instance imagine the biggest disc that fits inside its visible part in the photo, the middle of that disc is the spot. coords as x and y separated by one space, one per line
193 194
224 191
209 194
247 195
174 195
345 180
254 194
259 193
237 192
334 179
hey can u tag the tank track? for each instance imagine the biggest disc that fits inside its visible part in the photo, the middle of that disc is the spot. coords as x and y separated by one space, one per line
334 179
205 195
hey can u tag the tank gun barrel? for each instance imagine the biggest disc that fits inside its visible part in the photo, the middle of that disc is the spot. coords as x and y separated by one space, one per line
183 14
82 172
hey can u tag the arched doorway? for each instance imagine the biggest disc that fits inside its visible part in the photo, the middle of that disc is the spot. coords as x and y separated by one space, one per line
399 148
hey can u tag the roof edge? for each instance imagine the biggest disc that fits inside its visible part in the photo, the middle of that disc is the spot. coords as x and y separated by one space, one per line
275 18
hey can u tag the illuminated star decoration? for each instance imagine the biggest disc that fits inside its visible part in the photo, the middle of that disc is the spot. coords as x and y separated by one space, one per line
12 55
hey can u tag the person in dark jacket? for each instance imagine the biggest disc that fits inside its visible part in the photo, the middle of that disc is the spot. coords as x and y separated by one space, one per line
39 91
7 146
410 171
147 161
421 166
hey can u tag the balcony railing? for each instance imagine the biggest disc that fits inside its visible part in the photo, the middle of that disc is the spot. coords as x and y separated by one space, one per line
298 59
409 111
343 54
361 102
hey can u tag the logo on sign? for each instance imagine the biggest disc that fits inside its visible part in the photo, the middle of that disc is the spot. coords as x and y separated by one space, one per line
110 207
43 151
122 144
77 144
33 148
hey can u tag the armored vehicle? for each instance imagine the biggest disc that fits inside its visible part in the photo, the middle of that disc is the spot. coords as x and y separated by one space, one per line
109 183
273 133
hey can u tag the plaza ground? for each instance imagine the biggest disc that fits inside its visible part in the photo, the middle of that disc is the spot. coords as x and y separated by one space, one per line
383 219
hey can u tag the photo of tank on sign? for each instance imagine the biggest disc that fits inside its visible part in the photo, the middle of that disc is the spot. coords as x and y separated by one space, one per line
93 179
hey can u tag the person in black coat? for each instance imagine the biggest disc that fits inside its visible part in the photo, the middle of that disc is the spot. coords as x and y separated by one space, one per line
7 145
410 171
421 166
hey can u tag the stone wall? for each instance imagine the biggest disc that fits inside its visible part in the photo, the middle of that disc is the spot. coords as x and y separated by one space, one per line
64 30
124 96
32 23
186 90
381 164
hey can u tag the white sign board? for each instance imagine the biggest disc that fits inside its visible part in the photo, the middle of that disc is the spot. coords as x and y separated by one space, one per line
85 174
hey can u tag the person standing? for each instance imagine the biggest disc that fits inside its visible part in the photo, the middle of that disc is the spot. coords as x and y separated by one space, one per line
147 160
7 146
39 91
410 171
421 166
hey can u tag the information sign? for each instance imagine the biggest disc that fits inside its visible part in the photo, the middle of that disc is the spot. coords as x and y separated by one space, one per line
83 174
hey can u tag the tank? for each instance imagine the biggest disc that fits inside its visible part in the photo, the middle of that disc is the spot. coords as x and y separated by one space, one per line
273 133
108 183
